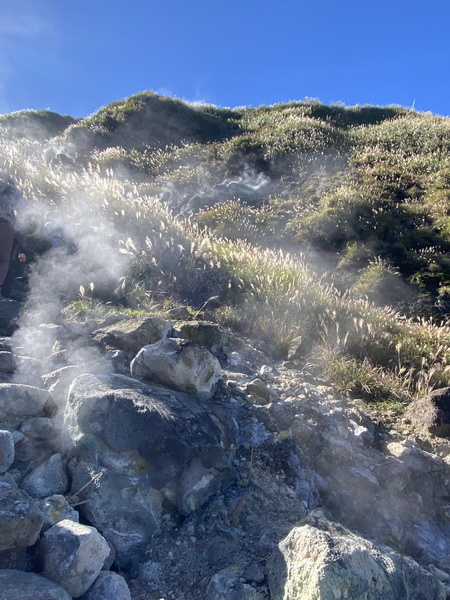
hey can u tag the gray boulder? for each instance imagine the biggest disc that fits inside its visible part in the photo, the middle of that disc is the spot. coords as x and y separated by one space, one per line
108 586
202 333
332 562
54 509
6 450
225 585
9 312
20 519
47 479
72 555
179 364
17 585
28 370
140 451
57 382
38 428
132 334
19 401
7 362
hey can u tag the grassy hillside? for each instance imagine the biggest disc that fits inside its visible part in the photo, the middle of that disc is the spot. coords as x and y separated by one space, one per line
325 230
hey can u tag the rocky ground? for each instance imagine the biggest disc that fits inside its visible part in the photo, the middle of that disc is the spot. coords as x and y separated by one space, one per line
210 471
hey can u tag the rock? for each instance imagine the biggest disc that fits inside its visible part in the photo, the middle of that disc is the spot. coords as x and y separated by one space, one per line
297 349
17 585
5 344
38 428
202 333
141 450
120 361
58 382
254 573
6 450
7 481
132 334
9 312
108 586
28 370
178 312
258 390
432 412
55 509
73 555
318 564
179 364
150 574
47 479
19 401
7 362
20 519
226 586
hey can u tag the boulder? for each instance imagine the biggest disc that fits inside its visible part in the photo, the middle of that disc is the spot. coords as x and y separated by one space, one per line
432 412
72 555
54 509
108 586
202 333
17 585
6 450
179 364
20 519
57 382
28 370
38 428
47 479
7 481
225 585
9 312
132 334
5 344
314 563
258 390
7 362
139 451
20 401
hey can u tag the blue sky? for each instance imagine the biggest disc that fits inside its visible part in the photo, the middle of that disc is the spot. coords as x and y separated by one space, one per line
75 57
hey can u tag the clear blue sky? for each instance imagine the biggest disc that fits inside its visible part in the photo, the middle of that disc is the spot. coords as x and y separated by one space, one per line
75 57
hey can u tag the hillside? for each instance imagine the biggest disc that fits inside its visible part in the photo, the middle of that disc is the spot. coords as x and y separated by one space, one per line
257 201
220 352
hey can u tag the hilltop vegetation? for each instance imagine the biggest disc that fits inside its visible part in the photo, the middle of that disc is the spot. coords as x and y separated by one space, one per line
324 230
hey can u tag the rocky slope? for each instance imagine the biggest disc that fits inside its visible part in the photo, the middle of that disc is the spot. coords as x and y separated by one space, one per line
164 457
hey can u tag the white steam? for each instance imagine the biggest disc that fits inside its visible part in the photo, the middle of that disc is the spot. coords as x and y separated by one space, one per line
88 262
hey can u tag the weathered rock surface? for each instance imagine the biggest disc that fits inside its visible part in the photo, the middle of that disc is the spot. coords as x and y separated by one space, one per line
19 401
359 472
314 563
204 333
193 493
180 365
17 585
6 450
142 451
48 479
39 428
7 362
9 312
132 334
108 586
57 382
20 519
73 555
54 509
